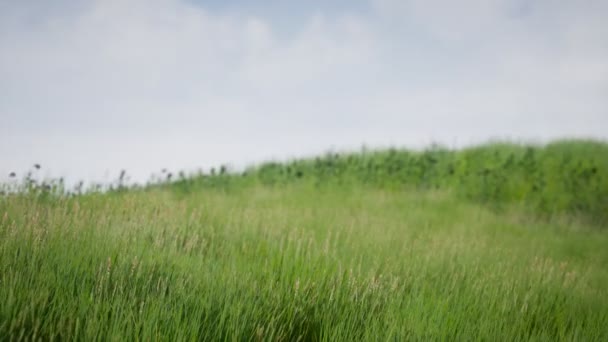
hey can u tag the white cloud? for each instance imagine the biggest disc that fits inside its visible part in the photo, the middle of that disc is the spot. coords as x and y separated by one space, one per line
451 20
528 69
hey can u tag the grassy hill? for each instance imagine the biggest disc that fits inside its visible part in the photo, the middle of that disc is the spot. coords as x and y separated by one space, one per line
496 242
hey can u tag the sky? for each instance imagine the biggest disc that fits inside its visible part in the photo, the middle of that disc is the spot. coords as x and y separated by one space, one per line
92 87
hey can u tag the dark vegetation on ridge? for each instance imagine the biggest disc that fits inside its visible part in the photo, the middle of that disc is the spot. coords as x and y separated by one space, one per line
562 177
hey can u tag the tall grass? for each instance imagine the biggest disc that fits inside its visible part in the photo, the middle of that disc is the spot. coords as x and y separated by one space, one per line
304 251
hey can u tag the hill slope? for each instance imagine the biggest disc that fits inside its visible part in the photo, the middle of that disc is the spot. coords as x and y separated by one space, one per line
353 247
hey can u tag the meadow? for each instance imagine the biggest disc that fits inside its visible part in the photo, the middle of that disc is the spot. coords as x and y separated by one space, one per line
500 241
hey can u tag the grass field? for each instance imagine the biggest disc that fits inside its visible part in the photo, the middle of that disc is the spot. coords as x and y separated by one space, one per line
499 242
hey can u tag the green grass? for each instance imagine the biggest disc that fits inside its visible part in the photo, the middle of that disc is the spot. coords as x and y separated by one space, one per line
329 253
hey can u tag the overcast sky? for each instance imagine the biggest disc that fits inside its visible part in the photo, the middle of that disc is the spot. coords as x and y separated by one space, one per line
88 88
